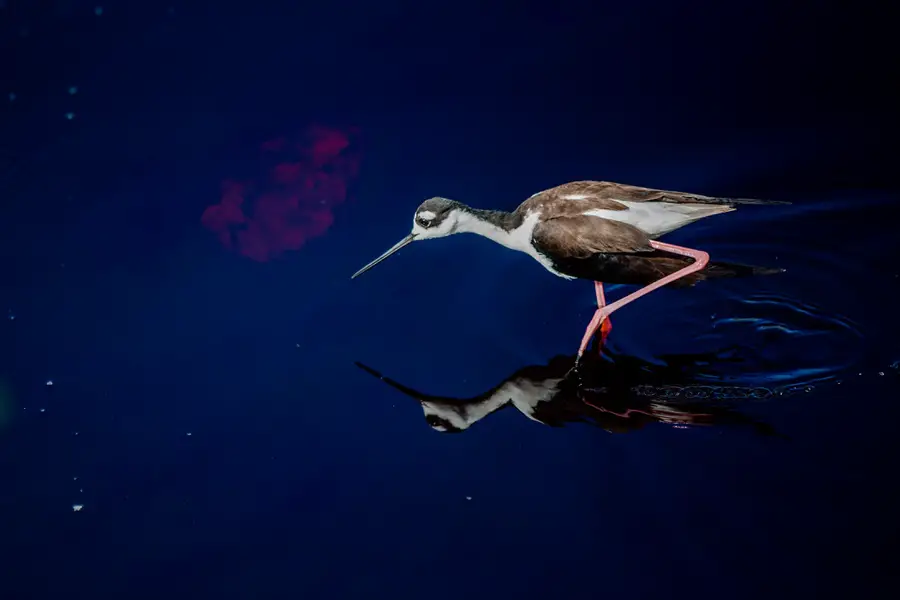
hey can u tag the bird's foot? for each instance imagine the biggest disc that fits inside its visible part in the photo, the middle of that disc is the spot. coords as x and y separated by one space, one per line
605 328
600 322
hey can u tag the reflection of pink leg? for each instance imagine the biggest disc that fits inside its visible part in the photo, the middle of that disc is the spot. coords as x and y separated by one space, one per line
700 260
606 325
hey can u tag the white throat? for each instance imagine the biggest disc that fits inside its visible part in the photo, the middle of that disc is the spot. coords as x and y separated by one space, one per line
515 239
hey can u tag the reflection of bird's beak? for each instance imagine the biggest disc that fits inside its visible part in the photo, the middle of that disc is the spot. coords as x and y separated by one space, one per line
393 249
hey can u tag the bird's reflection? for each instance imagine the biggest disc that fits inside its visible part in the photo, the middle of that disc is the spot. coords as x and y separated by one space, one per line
615 392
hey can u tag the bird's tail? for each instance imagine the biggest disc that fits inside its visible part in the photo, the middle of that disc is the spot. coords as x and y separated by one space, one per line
753 201
732 201
721 269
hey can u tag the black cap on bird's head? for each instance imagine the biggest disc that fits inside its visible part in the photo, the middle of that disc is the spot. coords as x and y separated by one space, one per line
433 213
436 217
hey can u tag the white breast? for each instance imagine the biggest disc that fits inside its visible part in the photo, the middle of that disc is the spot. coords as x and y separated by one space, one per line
658 218
521 237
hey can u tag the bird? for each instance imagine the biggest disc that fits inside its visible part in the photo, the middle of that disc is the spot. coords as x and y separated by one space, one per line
602 231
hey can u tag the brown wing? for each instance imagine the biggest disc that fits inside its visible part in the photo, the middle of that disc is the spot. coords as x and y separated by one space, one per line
583 235
603 195
558 201
634 193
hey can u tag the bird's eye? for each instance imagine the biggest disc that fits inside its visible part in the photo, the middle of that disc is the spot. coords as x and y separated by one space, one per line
424 222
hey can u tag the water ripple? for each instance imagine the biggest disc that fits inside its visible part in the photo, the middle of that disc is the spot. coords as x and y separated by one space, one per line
782 339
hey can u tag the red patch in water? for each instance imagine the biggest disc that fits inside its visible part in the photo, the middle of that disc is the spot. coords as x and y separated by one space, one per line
291 199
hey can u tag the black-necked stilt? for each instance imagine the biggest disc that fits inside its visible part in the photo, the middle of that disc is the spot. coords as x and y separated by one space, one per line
598 230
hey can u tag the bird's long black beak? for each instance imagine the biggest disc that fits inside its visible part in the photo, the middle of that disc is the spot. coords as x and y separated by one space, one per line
393 249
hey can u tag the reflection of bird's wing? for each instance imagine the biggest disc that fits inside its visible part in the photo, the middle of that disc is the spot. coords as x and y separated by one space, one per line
520 390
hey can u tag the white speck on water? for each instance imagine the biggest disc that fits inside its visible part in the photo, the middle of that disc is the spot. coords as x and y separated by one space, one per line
881 373
10 315
76 433
468 497
74 479
70 115
49 382
43 409
189 434
77 507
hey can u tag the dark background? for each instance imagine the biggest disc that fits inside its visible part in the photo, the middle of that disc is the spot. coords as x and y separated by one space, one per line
305 477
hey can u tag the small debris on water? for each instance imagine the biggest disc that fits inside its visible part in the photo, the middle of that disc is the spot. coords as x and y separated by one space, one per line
77 507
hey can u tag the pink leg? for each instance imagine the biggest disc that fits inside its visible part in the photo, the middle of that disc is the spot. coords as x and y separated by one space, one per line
606 324
701 259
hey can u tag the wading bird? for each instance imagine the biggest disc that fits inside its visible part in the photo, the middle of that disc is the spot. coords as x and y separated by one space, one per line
598 230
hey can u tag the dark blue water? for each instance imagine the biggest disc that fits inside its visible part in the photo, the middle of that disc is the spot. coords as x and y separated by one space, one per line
179 420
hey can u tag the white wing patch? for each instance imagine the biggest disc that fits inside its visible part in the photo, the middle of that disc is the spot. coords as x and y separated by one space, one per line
658 218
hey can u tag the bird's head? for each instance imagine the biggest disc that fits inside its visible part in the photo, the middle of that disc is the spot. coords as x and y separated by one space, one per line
435 218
